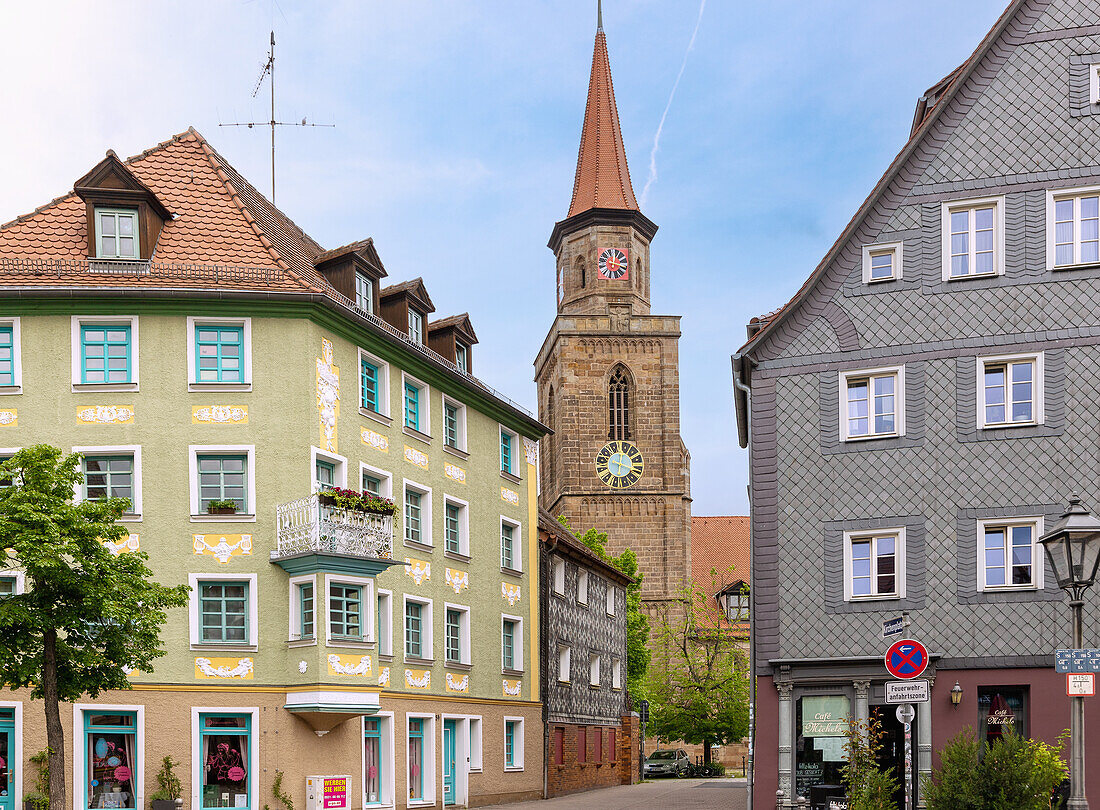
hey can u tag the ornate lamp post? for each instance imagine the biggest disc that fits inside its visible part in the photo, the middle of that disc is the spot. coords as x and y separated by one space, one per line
1073 548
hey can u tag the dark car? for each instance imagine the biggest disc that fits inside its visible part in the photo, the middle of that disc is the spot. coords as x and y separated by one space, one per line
668 762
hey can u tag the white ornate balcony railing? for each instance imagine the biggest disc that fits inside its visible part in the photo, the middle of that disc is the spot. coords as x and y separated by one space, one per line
305 526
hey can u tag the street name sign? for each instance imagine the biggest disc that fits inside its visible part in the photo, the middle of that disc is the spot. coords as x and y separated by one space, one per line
894 627
1077 660
1081 684
906 659
915 691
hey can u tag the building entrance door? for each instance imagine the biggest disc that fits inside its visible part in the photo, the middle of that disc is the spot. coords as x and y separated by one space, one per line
892 755
7 759
449 777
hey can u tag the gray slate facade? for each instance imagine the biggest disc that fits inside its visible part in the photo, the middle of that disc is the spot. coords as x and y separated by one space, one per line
1017 124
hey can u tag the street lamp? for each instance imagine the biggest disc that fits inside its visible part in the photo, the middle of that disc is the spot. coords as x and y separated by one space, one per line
733 600
1073 548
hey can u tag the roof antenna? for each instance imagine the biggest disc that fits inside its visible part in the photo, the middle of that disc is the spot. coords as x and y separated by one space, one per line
269 70
599 15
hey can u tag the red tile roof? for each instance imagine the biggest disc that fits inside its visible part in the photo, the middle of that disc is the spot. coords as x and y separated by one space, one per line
719 542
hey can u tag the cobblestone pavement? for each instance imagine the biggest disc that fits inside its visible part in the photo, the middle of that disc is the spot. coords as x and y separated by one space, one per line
663 794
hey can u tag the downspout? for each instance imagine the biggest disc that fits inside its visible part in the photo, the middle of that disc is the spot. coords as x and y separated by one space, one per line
740 386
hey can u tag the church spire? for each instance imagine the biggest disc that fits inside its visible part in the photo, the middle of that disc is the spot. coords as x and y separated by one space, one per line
603 178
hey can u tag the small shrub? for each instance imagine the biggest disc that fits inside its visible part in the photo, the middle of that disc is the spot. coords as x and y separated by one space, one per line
169 786
39 798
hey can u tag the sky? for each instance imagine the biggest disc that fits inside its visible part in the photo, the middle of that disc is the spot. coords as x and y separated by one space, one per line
456 134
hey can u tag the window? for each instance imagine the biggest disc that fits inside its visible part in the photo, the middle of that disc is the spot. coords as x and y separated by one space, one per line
616 680
418 628
111 764
219 352
872 403
372 484
559 739
376 481
618 398
1010 391
1002 709
364 292
372 761
11 368
222 610
582 745
609 599
416 326
1094 84
507 445
8 585
116 233
973 238
415 399
105 353
223 478
345 611
324 475
305 610
1073 228
420 773
1008 557
454 424
557 571
108 477
594 669
511 643
456 634
461 358
612 739
513 743
227 760
374 385
475 743
599 745
874 565
368 379
418 514
385 623
456 533
882 262
510 545
563 664
582 587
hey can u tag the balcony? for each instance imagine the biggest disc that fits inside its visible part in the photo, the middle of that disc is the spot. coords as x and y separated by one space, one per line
313 537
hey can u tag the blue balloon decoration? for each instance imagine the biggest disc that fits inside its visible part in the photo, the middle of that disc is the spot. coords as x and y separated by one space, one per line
113 761
101 748
95 783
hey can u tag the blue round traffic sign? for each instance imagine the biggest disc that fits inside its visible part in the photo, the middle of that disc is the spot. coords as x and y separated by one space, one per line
906 659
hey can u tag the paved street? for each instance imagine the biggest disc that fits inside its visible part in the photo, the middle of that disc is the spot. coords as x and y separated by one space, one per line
664 794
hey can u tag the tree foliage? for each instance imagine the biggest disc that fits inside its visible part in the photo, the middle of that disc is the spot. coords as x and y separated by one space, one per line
85 613
868 786
698 687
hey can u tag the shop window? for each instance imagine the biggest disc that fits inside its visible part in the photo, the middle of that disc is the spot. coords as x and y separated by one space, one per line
1002 709
416 759
821 723
110 740
372 762
226 743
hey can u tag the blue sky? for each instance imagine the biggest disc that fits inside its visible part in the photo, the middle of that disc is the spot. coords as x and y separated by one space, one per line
457 125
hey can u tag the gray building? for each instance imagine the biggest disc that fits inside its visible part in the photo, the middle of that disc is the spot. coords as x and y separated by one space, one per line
923 407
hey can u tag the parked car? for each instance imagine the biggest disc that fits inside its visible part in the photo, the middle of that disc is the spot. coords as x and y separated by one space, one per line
668 762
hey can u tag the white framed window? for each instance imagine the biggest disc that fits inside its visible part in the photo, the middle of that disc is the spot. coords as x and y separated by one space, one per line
420 760
11 357
511 545
874 565
462 357
616 673
374 385
564 654
104 352
1009 556
609 598
454 424
475 743
513 743
237 728
582 586
111 471
511 643
456 634
973 237
305 613
222 611
222 472
594 669
121 726
456 526
416 404
557 572
385 622
349 610
417 513
1073 227
872 403
882 262
1010 390
378 760
376 480
418 628
1094 84
509 449
326 470
117 233
416 326
12 582
364 292
219 354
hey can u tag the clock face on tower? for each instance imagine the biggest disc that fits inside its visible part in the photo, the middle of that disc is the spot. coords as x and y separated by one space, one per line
613 263
619 464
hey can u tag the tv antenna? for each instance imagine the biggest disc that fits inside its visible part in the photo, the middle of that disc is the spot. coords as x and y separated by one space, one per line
268 70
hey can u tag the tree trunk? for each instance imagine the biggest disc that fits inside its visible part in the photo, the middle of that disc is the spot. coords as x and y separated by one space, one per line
55 734
706 754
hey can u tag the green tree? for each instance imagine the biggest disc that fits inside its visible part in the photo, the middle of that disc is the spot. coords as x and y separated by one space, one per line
85 612
698 688
637 623
868 786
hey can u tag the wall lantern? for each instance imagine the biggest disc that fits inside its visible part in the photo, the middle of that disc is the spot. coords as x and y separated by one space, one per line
956 695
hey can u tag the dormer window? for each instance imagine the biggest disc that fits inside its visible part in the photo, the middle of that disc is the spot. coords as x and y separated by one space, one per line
116 231
364 292
416 326
460 358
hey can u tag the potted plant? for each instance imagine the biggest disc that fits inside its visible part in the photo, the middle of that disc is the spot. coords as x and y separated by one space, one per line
221 508
167 795
355 501
39 798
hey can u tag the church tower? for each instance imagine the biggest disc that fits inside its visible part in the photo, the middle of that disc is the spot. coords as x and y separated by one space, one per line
607 373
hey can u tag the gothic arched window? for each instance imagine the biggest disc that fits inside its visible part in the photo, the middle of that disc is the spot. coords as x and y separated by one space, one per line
580 271
618 402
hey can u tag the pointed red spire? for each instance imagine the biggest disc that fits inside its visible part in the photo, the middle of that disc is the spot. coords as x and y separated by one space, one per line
603 178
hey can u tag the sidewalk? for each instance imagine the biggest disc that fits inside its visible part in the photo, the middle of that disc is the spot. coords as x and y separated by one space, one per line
664 794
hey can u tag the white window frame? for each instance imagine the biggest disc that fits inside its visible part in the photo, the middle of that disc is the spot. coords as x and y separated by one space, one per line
359 274
1053 197
899 563
383 385
368 605
616 674
20 585
1094 84
557 576
251 644
249 451
446 400
609 599
463 634
463 524
425 493
387 786
899 402
582 586
424 404
517 448
475 744
517 643
80 753
17 745
428 765
1038 556
427 640
74 335
594 669
385 622
1038 406
517 744
417 335
254 738
193 383
948 208
463 351
565 653
386 489
517 543
115 450
896 251
340 468
16 360
294 625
